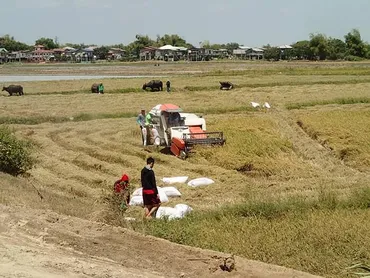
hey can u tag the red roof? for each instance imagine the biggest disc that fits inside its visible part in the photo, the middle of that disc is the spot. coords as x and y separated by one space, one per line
170 107
149 48
43 51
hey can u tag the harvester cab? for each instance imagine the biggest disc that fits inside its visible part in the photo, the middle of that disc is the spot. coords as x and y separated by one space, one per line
181 131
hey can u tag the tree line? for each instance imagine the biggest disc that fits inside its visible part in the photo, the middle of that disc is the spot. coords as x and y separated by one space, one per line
317 47
321 47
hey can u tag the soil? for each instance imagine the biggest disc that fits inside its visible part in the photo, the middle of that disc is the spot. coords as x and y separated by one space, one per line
42 243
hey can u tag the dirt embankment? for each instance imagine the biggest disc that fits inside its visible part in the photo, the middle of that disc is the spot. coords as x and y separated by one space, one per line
37 243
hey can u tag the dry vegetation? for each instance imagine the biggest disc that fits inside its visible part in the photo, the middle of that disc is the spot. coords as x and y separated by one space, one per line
291 183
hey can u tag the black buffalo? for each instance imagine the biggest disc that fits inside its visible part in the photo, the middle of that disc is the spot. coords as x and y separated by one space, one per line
226 85
154 85
97 88
14 89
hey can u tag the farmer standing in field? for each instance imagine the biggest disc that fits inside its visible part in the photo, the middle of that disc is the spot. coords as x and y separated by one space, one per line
101 88
150 191
143 120
168 85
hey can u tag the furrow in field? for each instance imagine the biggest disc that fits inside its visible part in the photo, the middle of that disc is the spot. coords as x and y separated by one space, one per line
315 153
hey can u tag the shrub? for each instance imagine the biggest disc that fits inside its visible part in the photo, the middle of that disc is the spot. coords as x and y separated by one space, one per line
15 154
353 58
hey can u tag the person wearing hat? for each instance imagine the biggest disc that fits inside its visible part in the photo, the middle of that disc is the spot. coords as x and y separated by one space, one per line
122 190
142 121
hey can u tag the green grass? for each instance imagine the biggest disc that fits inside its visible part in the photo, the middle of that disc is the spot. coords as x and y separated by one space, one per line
279 231
296 70
341 101
115 91
242 85
280 84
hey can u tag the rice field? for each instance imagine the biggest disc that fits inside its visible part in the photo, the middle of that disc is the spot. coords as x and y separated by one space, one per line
291 184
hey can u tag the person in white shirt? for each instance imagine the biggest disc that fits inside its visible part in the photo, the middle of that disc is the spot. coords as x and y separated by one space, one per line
155 136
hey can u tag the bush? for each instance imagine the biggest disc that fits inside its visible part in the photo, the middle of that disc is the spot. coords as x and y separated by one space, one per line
353 58
15 154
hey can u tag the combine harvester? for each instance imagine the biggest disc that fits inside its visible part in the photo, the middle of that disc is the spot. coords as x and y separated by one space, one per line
181 131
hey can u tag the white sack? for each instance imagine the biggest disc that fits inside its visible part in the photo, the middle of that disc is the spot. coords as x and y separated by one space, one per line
169 212
139 193
175 180
162 195
171 191
200 181
136 201
183 209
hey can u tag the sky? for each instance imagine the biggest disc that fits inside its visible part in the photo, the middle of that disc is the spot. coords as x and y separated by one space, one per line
248 22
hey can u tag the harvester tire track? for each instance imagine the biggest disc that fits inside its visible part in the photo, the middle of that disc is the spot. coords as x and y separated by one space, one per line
310 149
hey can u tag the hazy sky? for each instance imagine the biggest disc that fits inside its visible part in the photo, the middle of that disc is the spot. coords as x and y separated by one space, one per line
247 22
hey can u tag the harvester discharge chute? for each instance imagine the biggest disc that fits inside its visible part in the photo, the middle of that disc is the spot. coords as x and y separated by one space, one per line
182 131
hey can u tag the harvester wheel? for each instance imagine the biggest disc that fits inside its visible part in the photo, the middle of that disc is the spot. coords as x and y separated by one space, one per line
183 155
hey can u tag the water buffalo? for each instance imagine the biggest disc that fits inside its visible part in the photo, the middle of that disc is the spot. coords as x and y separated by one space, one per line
14 89
97 88
226 85
154 85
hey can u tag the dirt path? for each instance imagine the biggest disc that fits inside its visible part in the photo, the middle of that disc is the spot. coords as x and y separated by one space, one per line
36 243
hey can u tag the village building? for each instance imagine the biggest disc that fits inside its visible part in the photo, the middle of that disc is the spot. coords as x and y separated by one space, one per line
149 53
172 53
246 52
40 54
220 53
85 55
115 54
198 54
64 54
206 54
164 53
18 56
285 51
